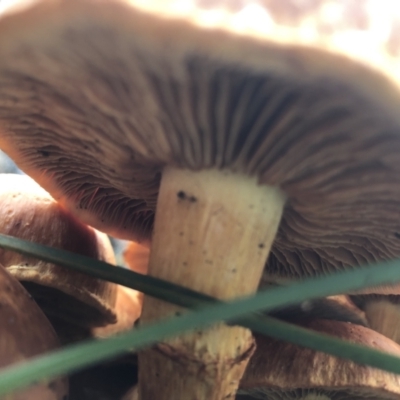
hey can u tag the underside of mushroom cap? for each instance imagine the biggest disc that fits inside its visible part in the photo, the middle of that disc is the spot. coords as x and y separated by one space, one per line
280 370
140 90
28 212
362 300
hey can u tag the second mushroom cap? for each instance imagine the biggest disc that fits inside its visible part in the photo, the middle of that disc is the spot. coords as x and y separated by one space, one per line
28 212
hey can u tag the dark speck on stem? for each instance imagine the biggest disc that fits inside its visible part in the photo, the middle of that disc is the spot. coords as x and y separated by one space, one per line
183 196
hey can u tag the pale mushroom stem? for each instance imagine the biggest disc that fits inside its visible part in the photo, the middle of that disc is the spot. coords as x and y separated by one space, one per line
213 233
384 317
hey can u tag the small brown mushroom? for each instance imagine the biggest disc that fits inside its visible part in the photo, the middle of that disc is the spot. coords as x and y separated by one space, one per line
382 312
128 306
282 371
149 123
136 257
25 332
71 300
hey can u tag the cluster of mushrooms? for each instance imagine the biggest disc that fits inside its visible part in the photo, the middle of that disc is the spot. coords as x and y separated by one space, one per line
240 157
44 306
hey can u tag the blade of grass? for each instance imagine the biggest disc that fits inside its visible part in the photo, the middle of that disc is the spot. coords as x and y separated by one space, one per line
158 288
85 354
337 283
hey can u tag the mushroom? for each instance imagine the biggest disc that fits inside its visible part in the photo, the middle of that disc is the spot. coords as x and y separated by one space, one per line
128 306
382 312
282 371
25 332
136 257
73 302
202 134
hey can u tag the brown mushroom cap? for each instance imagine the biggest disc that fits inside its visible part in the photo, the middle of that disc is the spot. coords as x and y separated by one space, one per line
29 212
24 333
136 257
280 370
128 306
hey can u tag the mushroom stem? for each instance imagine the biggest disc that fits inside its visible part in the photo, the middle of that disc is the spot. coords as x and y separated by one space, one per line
213 232
384 317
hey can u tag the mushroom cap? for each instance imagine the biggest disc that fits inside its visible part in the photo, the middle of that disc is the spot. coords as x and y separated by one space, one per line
24 333
281 368
136 257
128 308
29 212
139 86
129 302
